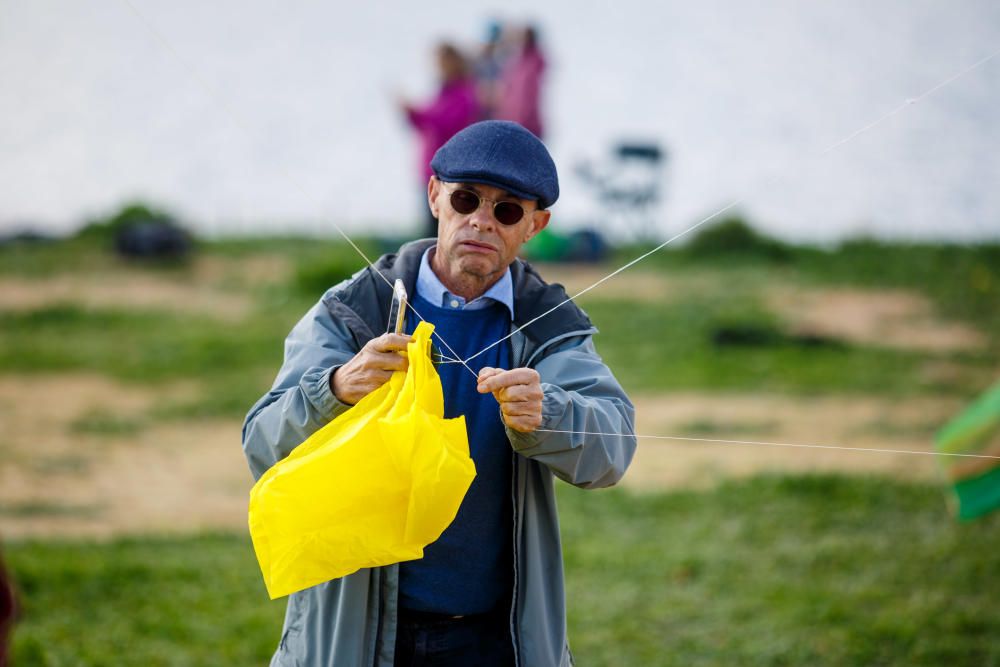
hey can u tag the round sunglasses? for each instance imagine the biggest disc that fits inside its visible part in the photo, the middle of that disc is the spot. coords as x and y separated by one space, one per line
466 201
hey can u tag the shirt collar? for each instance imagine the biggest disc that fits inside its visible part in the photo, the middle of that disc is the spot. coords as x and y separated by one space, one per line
430 287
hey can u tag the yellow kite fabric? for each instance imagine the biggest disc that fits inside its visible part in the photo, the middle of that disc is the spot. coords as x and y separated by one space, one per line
373 487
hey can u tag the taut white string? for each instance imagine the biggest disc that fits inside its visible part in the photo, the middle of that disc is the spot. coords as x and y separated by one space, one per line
851 137
773 444
236 120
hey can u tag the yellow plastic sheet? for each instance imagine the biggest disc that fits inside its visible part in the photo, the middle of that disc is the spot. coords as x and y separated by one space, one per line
374 486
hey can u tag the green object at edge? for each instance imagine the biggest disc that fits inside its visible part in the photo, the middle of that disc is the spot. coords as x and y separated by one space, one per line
975 431
547 246
979 495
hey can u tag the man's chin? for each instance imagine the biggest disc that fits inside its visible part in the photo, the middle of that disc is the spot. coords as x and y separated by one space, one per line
477 264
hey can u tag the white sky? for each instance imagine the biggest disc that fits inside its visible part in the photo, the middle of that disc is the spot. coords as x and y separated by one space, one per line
300 128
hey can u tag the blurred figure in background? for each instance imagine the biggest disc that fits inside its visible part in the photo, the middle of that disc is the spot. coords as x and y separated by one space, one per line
520 89
487 68
453 108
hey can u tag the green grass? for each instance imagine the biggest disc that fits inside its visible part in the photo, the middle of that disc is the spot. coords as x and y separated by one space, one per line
129 344
651 346
669 346
771 571
962 280
817 570
232 363
104 423
782 571
40 509
707 427
75 255
149 601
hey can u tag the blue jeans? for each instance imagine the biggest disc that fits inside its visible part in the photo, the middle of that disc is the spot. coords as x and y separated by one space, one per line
424 640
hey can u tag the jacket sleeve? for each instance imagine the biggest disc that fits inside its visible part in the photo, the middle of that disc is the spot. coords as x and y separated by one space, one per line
301 401
582 396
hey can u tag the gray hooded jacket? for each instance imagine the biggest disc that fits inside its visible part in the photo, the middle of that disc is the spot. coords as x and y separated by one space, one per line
351 622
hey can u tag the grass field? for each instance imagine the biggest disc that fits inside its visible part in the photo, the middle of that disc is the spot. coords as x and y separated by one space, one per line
653 344
817 570
809 569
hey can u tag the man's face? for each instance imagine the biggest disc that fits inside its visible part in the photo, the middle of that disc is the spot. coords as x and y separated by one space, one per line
475 247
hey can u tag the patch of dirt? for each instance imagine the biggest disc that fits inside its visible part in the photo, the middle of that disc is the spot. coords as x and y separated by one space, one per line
246 272
214 286
55 480
894 318
168 478
889 318
177 476
115 291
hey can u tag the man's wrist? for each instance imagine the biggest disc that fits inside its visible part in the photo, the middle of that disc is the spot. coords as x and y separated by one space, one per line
333 384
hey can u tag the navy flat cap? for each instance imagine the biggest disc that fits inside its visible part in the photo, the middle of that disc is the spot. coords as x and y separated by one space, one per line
503 154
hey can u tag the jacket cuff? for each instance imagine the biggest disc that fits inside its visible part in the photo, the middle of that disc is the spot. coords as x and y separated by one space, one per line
553 407
316 386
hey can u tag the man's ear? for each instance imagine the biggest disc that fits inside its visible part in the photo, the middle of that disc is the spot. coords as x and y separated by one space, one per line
539 220
433 186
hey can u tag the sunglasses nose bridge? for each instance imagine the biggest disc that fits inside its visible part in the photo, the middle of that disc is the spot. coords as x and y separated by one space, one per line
483 213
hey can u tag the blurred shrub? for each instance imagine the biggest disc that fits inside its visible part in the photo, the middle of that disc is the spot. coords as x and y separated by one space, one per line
130 215
756 334
734 237
138 231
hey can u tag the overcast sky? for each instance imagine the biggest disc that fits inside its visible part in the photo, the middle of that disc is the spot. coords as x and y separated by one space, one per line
271 116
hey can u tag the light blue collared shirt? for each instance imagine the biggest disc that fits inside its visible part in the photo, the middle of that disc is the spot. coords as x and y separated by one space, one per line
430 287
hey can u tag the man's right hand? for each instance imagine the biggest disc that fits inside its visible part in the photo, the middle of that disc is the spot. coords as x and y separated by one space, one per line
370 368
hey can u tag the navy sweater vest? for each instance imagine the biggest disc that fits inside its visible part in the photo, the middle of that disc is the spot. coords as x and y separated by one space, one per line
468 570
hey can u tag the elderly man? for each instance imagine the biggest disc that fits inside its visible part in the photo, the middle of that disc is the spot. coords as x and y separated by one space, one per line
489 591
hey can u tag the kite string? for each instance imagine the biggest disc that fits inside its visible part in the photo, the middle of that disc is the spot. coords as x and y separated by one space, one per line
236 120
829 149
770 444
851 137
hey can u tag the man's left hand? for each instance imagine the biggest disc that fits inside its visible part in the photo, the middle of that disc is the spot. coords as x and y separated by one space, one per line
519 393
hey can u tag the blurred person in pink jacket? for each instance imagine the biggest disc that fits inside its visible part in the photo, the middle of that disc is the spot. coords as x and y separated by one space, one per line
520 91
453 108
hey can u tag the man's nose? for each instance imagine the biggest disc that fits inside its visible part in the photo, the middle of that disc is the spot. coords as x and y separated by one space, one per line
482 217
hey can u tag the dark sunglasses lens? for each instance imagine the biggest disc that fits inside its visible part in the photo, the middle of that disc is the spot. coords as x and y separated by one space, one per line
464 201
508 213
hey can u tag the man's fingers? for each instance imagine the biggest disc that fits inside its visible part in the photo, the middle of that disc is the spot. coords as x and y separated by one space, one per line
390 342
485 373
387 361
488 372
509 378
520 392
521 408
